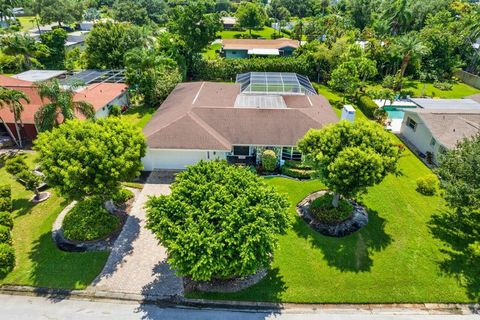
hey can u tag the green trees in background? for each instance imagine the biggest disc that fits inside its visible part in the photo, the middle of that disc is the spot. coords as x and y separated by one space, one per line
151 74
349 157
26 48
86 158
139 12
55 42
60 11
107 44
250 15
220 221
59 105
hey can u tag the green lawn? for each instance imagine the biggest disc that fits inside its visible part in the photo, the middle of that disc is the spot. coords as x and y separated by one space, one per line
393 259
39 261
415 89
138 116
266 33
27 22
210 52
336 100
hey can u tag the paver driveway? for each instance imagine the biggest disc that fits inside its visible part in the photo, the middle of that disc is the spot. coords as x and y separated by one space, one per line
137 264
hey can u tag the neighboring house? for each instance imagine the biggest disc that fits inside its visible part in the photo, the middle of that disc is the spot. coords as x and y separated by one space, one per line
100 95
438 125
229 22
234 122
76 40
245 48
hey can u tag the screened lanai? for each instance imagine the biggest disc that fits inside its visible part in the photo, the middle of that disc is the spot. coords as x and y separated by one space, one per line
278 83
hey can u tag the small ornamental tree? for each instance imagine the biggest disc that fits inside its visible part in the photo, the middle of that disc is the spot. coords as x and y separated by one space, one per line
349 157
269 160
18 168
86 158
220 221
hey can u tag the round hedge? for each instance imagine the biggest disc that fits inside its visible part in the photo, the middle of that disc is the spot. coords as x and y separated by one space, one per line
89 220
7 259
6 219
324 211
220 221
269 160
5 235
122 196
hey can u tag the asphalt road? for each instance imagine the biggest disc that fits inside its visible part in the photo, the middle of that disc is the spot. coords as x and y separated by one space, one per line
23 308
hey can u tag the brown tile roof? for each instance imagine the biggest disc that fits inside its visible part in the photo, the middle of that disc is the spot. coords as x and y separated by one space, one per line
247 44
450 126
202 116
98 95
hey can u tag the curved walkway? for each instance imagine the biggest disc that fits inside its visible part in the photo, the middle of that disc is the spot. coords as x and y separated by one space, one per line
137 263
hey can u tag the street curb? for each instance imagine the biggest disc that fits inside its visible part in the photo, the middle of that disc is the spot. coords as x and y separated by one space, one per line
176 301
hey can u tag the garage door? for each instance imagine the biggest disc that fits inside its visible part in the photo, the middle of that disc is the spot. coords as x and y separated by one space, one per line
175 159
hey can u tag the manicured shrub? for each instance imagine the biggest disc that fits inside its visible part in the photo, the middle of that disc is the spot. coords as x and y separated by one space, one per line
5 191
5 235
122 196
5 198
444 86
7 259
6 219
368 107
115 110
296 173
269 160
220 221
323 210
428 185
89 220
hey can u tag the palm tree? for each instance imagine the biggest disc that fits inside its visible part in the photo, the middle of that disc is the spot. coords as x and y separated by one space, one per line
26 47
12 99
409 47
59 105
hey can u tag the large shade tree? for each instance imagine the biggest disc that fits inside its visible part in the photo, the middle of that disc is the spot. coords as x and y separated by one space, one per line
87 158
349 157
220 221
12 99
251 15
58 11
59 105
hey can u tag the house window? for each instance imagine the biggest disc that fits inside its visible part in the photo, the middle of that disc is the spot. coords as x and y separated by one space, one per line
291 153
433 142
442 150
241 151
411 123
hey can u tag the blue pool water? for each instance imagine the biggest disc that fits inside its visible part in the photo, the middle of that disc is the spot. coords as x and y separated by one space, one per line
395 114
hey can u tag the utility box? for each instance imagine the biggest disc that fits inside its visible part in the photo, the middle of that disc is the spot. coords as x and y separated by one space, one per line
348 113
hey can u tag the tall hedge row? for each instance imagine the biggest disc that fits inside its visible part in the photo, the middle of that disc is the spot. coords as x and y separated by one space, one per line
7 253
367 105
222 69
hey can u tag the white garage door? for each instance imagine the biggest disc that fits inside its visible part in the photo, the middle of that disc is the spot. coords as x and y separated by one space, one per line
176 159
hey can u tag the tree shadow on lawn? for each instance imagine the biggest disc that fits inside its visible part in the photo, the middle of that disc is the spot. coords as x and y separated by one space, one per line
22 206
351 253
459 261
54 268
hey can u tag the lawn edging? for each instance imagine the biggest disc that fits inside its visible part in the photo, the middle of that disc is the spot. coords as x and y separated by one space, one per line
176 301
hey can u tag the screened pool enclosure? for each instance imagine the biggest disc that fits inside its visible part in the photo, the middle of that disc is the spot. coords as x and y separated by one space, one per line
275 83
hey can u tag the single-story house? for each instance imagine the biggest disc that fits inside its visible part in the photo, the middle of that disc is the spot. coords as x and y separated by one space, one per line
100 95
40 75
245 48
229 22
234 122
438 125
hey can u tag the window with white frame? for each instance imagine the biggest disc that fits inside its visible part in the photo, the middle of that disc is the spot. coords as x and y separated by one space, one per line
291 153
412 123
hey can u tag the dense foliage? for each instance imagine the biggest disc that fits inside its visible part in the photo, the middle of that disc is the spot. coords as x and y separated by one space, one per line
5 198
107 44
220 221
427 185
250 15
122 196
89 220
349 157
18 168
55 41
58 11
7 259
6 219
84 158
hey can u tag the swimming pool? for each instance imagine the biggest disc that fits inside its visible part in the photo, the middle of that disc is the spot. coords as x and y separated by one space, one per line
395 114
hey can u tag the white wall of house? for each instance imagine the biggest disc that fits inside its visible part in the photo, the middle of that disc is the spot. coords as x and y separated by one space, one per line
178 159
421 137
121 100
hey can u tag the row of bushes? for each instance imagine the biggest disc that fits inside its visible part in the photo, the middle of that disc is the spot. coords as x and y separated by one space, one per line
222 69
367 106
296 169
7 253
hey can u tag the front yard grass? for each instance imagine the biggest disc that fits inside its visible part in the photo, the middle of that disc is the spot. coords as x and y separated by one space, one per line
39 262
266 33
394 258
138 115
